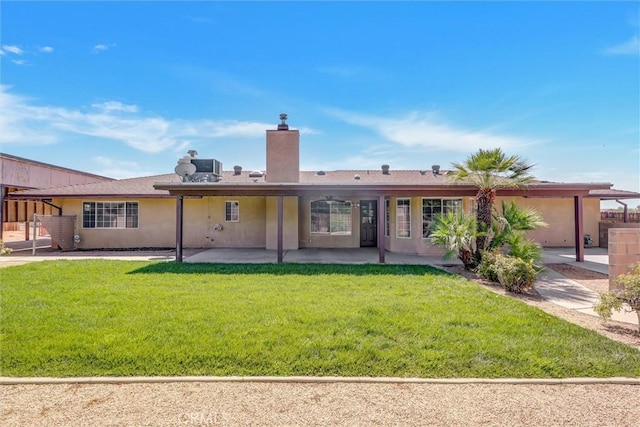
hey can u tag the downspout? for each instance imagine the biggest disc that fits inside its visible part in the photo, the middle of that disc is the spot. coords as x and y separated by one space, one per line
625 215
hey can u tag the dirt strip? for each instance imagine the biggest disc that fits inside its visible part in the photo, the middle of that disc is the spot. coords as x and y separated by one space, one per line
286 404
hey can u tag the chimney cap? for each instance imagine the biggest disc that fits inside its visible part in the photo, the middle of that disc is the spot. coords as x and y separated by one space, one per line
385 169
283 125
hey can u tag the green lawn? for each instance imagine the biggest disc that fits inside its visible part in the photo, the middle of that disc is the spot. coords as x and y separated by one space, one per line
99 317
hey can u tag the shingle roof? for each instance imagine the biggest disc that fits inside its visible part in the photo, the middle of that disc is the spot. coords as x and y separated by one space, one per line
136 187
144 186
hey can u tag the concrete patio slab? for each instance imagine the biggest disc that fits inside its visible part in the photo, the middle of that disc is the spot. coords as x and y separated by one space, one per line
595 259
312 256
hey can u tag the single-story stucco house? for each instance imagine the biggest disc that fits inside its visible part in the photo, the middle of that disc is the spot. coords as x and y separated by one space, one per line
284 208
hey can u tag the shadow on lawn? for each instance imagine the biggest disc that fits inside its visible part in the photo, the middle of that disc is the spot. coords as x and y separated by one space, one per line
284 269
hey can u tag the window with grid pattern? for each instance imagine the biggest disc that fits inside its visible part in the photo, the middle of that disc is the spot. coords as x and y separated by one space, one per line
403 218
433 207
110 215
232 211
331 217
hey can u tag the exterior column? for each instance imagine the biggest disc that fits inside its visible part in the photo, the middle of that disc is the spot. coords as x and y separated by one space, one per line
280 228
179 215
2 218
579 228
381 224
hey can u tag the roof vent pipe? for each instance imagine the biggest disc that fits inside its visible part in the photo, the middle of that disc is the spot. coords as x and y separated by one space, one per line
435 169
237 170
385 169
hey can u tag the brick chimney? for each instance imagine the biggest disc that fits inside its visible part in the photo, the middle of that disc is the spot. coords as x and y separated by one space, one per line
283 153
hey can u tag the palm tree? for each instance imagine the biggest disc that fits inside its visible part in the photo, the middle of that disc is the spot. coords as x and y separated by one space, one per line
490 170
456 233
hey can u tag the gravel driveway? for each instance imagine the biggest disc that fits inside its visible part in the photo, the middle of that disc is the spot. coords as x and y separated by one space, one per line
290 404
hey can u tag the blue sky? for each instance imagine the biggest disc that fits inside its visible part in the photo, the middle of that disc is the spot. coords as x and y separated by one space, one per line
125 88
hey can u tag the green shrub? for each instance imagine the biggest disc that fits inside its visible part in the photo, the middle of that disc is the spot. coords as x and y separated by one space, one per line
487 267
515 274
629 295
524 248
3 249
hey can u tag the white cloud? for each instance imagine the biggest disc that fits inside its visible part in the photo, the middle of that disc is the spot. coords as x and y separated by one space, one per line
119 169
12 49
102 47
110 106
46 49
24 123
630 47
19 61
427 130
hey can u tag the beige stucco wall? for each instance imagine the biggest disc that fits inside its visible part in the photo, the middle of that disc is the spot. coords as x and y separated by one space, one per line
283 156
290 223
157 224
559 214
202 216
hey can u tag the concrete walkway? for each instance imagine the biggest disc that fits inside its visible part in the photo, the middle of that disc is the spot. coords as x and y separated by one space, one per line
568 293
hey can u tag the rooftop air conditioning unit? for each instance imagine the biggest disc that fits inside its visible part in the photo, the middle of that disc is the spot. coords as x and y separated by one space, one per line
207 170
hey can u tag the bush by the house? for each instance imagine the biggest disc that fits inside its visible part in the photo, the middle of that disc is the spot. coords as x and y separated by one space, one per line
515 274
629 295
487 267
3 249
526 249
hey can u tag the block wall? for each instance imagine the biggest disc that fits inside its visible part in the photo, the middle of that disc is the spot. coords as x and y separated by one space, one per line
624 250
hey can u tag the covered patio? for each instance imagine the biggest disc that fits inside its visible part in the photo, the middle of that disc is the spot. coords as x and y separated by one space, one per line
378 192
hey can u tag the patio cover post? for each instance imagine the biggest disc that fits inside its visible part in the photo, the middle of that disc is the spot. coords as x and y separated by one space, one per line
380 231
2 218
280 227
579 228
179 214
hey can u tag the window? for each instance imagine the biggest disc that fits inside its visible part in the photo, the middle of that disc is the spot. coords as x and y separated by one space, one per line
403 218
433 207
387 211
110 215
232 211
331 217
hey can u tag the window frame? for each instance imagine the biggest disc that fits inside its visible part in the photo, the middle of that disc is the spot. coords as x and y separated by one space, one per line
102 213
229 206
346 218
405 218
426 223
